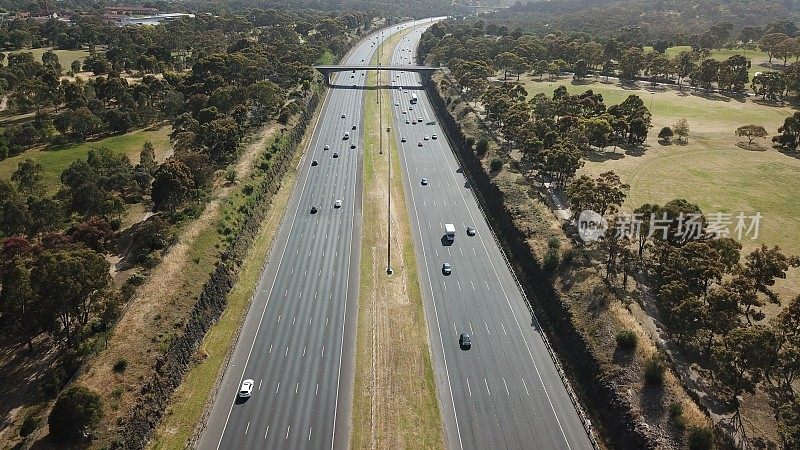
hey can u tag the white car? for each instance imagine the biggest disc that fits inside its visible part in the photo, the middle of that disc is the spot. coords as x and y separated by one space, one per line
327 147
434 137
408 121
247 388
343 116
426 137
402 139
419 144
419 119
337 204
405 112
396 103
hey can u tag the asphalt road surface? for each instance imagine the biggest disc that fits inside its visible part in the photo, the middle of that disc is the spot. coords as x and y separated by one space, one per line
504 392
297 341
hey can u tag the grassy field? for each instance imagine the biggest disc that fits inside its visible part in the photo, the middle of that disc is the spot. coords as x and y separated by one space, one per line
395 403
65 57
756 57
710 170
56 160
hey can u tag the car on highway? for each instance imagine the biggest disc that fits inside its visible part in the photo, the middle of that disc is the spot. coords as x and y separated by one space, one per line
419 144
434 137
426 137
464 341
313 210
470 231
327 147
337 204
419 119
346 136
410 108
424 182
405 112
335 154
402 139
352 146
396 103
354 127
314 162
343 116
407 121
246 390
447 269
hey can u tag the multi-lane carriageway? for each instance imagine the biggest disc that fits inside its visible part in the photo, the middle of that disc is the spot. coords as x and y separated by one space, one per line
504 392
297 341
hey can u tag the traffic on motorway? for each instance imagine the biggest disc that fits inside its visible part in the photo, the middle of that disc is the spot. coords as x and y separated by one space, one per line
289 380
497 383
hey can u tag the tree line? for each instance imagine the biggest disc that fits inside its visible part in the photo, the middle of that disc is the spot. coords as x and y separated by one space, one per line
717 23
488 49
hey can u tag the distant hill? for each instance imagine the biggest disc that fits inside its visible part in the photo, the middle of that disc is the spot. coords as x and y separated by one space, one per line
655 19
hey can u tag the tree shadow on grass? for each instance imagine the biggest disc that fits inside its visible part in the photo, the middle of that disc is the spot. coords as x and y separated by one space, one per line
603 156
789 153
713 96
636 151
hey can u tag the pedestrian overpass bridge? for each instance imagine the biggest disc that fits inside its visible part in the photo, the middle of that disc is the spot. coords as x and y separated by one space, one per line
328 70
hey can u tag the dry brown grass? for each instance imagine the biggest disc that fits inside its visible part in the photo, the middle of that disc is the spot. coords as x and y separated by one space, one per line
395 403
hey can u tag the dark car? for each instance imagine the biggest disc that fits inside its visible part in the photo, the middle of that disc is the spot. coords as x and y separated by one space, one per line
464 341
447 269
335 155
314 162
352 146
313 210
470 231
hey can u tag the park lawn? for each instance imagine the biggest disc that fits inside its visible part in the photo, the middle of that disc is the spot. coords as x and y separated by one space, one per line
65 57
758 59
710 170
54 161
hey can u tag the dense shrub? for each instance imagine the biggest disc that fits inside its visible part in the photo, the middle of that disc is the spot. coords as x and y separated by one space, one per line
482 147
654 369
75 414
700 438
496 164
120 365
626 340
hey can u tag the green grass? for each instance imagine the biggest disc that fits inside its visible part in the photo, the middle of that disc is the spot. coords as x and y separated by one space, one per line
710 170
757 57
55 161
65 57
326 58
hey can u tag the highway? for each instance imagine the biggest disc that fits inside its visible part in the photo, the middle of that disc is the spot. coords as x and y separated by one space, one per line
297 340
504 392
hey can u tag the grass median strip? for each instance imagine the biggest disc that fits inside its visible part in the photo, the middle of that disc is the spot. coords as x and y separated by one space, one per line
395 403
